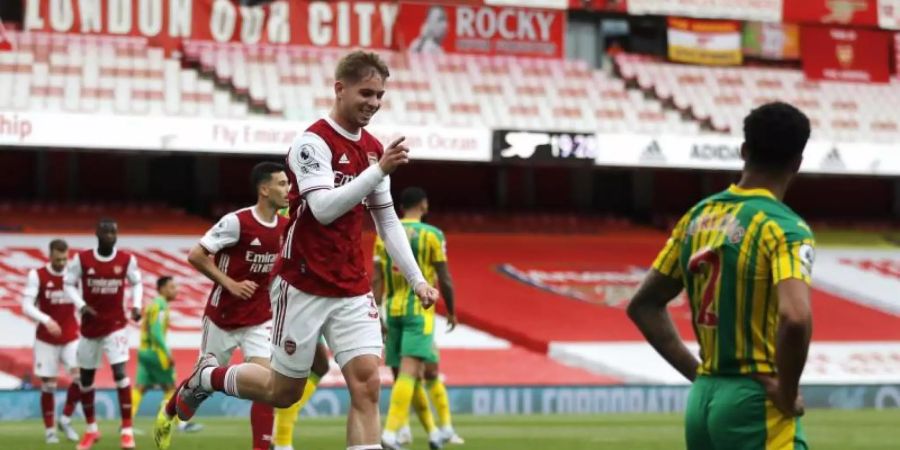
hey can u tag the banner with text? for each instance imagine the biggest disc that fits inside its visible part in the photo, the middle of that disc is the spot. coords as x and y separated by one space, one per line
505 30
544 147
724 153
766 40
487 30
222 136
709 42
845 54
834 12
762 10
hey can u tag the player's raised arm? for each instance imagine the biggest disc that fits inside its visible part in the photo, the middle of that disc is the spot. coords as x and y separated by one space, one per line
70 285
29 298
310 162
223 234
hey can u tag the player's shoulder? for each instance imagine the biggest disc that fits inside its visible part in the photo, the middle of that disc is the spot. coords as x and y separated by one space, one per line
433 229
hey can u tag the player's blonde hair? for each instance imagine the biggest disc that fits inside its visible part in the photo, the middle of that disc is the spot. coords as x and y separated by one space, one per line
358 65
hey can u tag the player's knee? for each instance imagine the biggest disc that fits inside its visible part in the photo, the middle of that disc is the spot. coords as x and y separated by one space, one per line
119 373
286 396
431 372
320 365
365 387
87 378
48 385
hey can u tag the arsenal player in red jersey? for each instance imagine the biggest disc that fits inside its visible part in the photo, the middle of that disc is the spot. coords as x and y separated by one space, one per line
45 302
321 287
102 274
238 254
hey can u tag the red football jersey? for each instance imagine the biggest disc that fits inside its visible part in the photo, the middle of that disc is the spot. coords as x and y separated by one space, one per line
103 288
326 260
245 248
52 301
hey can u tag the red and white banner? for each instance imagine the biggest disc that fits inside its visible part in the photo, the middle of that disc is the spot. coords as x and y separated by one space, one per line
842 12
367 24
482 30
761 10
709 42
845 54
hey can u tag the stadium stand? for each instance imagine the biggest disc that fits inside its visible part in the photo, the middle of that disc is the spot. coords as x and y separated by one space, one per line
840 111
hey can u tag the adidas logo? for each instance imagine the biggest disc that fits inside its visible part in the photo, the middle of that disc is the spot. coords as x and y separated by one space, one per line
344 159
91 271
653 153
833 160
255 242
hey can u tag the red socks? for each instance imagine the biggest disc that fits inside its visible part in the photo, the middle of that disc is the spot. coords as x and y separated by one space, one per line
47 409
125 405
72 396
262 417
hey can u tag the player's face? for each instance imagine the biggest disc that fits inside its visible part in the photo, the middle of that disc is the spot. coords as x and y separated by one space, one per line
277 189
58 259
360 101
170 291
107 234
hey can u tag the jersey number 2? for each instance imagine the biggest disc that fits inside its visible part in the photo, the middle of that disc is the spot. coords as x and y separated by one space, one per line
697 263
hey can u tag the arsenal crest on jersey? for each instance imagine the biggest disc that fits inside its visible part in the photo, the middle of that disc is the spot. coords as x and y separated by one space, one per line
372 157
117 270
290 347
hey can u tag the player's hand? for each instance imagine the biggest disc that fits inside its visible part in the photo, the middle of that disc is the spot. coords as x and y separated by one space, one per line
88 310
395 155
136 314
53 328
790 407
427 294
452 322
242 289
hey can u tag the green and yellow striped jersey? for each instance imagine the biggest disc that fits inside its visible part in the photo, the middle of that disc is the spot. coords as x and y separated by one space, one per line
429 247
729 251
155 326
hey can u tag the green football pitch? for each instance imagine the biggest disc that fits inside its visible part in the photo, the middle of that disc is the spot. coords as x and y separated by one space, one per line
826 429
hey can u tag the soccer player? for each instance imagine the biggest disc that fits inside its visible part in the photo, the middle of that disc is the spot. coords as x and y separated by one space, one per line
156 367
745 259
102 274
321 285
238 254
410 342
56 340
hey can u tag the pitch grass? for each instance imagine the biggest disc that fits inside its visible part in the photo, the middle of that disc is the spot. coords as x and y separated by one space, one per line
826 429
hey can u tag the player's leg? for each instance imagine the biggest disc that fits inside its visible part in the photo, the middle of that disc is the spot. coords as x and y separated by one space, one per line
696 426
88 355
422 408
46 367
416 349
286 417
298 323
73 393
116 348
437 393
353 331
256 346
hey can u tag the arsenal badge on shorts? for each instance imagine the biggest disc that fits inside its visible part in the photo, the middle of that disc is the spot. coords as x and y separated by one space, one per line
372 157
290 347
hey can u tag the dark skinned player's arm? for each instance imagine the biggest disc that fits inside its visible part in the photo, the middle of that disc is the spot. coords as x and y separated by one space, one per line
445 284
793 335
648 311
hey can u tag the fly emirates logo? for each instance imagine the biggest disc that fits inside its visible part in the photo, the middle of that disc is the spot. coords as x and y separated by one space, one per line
260 262
104 286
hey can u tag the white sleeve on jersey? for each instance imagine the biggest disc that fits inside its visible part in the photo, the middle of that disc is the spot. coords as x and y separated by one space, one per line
29 297
310 162
70 282
381 196
397 243
223 234
134 277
